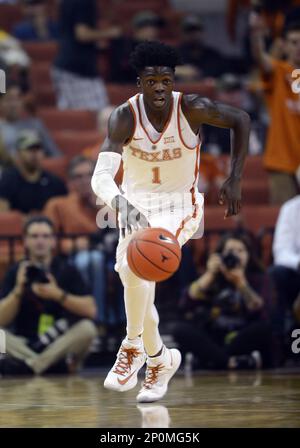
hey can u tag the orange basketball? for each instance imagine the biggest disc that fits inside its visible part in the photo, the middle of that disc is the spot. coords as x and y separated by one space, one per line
154 254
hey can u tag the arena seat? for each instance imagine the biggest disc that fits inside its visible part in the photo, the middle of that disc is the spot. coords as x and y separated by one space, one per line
214 219
255 192
257 217
40 74
57 166
119 93
45 95
60 120
203 88
41 51
254 169
10 15
11 225
73 143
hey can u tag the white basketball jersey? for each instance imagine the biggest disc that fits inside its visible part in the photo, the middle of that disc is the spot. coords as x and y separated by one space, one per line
161 168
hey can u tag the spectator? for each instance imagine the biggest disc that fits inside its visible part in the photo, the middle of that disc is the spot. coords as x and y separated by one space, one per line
145 26
199 60
225 325
49 306
37 26
77 213
26 186
286 269
282 155
13 120
14 60
232 13
231 90
11 51
75 74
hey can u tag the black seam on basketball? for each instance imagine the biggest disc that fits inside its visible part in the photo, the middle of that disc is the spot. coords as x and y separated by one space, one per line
153 242
134 265
158 267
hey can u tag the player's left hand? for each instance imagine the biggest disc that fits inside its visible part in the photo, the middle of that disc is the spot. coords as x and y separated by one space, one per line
230 194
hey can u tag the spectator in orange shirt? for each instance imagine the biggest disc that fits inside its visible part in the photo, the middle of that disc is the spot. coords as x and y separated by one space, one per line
77 214
282 153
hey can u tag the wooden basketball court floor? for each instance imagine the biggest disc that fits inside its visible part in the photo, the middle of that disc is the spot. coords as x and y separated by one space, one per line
266 399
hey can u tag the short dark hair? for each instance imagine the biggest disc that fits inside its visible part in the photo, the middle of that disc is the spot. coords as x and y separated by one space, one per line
37 220
290 27
78 160
153 54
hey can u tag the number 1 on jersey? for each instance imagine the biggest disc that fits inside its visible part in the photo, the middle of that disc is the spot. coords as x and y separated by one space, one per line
156 175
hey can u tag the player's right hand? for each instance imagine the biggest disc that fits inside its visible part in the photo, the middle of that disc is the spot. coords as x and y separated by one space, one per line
130 217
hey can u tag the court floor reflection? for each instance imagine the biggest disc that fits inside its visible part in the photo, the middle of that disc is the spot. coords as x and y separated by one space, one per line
268 399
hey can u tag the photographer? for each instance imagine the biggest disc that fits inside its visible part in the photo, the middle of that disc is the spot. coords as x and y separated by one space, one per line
225 326
77 213
47 308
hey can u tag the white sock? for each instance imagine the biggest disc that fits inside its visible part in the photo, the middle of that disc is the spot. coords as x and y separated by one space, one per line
136 341
163 358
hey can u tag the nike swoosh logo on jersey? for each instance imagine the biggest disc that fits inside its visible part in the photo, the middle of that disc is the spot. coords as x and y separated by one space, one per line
137 138
122 382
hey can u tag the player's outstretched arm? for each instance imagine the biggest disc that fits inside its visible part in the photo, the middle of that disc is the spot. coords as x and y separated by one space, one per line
120 132
120 129
204 111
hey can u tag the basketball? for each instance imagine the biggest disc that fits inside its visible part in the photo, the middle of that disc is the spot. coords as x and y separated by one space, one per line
154 254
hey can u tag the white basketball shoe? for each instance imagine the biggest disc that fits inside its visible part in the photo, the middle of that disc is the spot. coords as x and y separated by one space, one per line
158 374
130 359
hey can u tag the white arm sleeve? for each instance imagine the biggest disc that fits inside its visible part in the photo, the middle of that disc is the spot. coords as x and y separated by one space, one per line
102 182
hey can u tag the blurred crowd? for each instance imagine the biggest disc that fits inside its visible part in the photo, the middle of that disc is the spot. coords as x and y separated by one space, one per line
234 309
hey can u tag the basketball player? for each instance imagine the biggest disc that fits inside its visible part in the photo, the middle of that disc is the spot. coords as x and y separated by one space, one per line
156 134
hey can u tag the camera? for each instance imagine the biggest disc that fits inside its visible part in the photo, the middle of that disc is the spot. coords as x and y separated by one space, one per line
230 260
35 274
228 301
